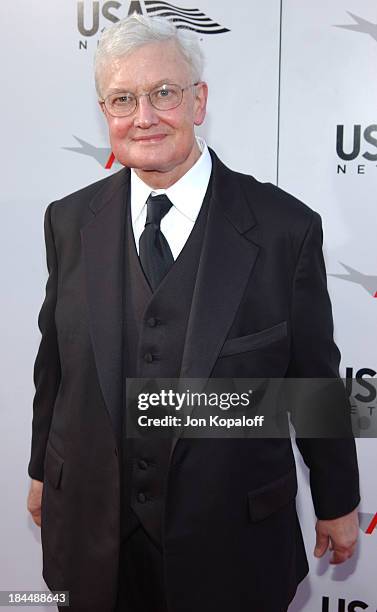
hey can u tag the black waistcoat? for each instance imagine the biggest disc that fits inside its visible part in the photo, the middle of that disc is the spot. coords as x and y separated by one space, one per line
154 334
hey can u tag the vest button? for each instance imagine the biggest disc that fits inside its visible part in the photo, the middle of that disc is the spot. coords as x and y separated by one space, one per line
141 498
152 322
148 357
143 465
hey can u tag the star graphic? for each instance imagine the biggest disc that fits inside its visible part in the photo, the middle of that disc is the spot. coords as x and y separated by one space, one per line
362 25
369 283
102 155
368 522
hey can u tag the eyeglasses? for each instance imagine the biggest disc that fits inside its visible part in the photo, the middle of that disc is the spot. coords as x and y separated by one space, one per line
164 97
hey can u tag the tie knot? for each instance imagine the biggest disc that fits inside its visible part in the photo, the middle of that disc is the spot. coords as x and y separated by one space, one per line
157 207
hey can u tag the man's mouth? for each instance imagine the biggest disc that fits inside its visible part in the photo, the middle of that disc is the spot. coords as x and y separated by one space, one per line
150 138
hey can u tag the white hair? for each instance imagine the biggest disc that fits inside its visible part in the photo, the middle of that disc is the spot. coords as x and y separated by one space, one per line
136 31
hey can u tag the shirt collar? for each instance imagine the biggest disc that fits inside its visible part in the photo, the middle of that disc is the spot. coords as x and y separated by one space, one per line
186 194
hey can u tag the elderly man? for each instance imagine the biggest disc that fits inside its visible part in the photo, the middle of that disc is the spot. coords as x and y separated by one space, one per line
176 267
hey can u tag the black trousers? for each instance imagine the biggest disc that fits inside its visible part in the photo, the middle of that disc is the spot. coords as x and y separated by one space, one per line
141 583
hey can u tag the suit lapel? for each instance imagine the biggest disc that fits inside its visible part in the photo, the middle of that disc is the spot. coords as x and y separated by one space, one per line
227 259
103 243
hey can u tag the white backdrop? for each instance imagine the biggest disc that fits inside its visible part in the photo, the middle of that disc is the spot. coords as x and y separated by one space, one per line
281 80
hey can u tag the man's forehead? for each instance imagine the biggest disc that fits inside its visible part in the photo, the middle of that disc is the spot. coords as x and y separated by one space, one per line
146 66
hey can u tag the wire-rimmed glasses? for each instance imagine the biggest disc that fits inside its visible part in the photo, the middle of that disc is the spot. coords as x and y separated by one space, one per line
163 97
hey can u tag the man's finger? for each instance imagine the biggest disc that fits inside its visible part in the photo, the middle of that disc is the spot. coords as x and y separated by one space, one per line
321 545
36 516
342 533
34 501
339 556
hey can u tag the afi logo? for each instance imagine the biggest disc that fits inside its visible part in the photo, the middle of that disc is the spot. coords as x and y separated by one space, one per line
361 25
367 281
367 522
103 155
352 606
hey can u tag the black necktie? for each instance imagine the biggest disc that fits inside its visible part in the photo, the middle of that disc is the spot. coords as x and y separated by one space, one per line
154 251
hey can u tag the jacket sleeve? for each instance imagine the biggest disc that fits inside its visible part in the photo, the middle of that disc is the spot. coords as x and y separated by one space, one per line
332 462
47 371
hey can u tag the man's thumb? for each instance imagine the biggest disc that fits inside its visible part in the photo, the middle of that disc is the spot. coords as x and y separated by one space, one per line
321 544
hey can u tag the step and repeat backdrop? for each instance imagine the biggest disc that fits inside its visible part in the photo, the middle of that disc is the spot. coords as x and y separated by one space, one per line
293 101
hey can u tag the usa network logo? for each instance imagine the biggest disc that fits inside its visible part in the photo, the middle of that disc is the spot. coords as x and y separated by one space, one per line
342 605
93 17
361 388
357 143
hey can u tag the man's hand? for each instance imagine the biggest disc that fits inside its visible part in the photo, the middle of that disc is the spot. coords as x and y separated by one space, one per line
339 535
34 501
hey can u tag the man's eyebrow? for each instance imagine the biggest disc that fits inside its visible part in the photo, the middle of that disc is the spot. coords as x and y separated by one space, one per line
115 90
166 81
162 82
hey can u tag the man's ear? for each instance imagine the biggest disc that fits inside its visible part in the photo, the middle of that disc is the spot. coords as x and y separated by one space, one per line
201 96
102 107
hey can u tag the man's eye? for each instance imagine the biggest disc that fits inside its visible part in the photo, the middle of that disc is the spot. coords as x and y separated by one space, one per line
163 93
122 100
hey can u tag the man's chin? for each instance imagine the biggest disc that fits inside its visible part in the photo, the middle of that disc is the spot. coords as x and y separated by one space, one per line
147 164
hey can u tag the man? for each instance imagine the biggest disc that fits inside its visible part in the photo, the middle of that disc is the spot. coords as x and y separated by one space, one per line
178 267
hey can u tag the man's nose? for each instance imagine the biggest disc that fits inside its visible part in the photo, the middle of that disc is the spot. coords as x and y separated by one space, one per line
145 114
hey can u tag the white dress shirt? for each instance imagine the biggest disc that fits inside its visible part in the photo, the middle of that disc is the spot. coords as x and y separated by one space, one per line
186 195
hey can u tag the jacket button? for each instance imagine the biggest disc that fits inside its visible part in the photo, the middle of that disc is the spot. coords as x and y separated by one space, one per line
141 498
143 465
148 357
152 322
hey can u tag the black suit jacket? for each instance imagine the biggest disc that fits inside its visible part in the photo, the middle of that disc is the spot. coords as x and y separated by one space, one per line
260 308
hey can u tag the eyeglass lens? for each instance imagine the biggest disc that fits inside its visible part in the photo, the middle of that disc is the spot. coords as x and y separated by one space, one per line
164 97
